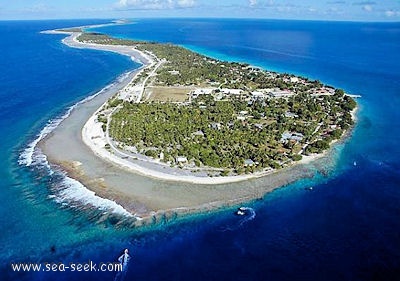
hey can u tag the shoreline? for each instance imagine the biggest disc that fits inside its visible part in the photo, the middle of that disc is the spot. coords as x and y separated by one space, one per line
144 196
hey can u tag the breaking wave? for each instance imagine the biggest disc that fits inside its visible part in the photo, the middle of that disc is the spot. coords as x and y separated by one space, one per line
70 190
67 191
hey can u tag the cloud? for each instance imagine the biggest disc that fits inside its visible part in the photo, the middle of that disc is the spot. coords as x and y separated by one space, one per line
365 3
392 13
39 8
186 3
154 4
261 3
334 12
367 8
253 3
288 8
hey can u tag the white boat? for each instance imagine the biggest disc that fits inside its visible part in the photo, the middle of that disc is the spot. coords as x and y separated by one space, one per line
241 211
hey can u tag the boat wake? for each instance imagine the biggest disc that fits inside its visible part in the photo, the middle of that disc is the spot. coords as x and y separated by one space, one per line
67 191
248 215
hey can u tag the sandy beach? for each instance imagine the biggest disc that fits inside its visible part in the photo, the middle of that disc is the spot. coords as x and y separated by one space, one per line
144 188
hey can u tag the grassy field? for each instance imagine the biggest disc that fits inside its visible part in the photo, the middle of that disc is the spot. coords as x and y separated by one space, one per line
167 94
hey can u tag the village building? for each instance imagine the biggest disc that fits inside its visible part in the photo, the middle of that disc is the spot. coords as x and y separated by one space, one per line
257 96
287 136
181 160
174 72
231 91
249 163
281 94
216 126
199 133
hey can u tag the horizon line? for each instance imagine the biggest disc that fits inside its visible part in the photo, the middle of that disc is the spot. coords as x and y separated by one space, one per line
205 18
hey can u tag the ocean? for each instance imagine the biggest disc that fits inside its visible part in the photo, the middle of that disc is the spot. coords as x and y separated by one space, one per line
346 228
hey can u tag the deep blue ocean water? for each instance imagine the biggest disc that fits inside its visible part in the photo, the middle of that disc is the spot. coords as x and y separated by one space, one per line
347 228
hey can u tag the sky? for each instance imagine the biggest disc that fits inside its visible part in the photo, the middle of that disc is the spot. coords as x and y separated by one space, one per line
344 10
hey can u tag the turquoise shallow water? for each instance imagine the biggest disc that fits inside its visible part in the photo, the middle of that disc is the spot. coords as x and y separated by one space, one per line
347 228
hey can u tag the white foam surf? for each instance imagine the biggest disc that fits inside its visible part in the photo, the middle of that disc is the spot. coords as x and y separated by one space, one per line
67 191
72 191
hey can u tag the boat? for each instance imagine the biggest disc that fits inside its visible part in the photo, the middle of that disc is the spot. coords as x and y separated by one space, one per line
241 211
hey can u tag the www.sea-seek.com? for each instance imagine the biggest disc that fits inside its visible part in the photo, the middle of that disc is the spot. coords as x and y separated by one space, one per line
62 267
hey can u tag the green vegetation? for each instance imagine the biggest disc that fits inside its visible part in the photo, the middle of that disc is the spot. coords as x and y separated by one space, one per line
98 38
73 29
208 133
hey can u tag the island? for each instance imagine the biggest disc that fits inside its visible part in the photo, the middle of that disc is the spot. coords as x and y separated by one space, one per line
187 118
196 113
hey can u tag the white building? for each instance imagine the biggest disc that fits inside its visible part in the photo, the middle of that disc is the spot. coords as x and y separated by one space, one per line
249 163
231 91
174 72
202 91
181 159
281 94
257 96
